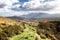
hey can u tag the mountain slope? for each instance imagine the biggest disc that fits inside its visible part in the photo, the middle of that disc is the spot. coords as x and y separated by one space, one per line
42 16
37 16
17 17
23 30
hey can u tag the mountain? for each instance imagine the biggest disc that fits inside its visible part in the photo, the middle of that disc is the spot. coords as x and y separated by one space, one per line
17 17
29 16
37 16
42 16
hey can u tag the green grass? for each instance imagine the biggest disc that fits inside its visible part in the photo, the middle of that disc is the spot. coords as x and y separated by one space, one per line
28 34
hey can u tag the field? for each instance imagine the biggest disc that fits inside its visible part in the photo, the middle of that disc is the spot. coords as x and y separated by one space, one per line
11 29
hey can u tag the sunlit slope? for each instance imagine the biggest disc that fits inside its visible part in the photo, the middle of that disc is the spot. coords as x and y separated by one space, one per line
8 21
29 30
28 34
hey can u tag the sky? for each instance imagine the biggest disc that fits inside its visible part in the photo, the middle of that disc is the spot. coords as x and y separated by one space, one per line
23 7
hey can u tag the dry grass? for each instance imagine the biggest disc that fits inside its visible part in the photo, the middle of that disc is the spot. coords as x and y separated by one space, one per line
46 30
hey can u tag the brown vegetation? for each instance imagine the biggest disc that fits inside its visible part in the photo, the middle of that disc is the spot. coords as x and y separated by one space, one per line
49 29
46 29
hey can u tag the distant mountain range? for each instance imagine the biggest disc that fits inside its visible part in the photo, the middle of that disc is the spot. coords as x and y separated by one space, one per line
37 16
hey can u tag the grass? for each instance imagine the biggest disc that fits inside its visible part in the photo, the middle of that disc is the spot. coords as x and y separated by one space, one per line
23 30
28 34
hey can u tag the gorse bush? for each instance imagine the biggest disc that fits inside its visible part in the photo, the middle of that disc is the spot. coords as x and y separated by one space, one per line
9 31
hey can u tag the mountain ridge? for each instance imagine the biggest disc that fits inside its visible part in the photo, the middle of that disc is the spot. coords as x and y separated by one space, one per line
37 16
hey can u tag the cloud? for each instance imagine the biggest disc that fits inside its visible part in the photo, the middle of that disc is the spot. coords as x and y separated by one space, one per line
31 5
48 6
7 3
56 10
36 5
2 5
14 7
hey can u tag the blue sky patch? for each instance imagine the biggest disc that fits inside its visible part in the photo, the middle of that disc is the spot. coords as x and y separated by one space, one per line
22 1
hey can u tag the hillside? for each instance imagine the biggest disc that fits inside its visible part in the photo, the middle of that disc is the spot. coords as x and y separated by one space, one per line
37 16
29 30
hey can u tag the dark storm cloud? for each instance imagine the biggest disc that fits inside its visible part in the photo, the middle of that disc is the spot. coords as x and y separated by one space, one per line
2 5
